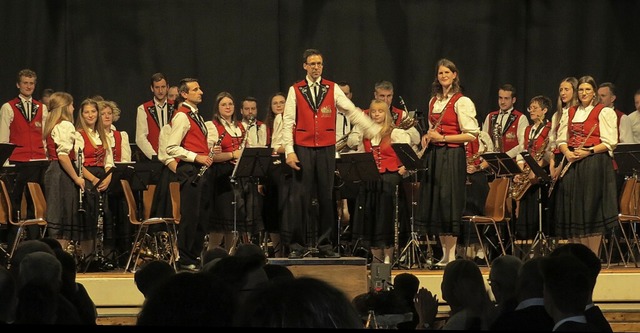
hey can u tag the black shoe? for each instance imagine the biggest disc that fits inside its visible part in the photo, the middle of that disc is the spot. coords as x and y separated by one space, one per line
295 254
480 261
328 253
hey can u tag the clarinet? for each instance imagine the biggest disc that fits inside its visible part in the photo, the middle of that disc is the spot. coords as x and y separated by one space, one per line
81 191
204 168
100 232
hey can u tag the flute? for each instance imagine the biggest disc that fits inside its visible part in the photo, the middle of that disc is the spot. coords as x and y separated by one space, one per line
204 168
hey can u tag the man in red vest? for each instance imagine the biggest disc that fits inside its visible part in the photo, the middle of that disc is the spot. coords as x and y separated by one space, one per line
188 143
309 139
21 123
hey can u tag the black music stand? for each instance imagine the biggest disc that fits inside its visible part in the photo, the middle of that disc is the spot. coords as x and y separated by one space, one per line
356 167
411 251
543 179
254 162
6 149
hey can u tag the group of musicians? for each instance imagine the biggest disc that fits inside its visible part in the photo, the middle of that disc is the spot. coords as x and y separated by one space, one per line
297 203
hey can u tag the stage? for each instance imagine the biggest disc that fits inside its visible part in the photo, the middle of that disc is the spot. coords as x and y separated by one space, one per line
118 299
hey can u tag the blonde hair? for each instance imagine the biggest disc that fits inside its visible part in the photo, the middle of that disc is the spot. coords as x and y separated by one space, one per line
387 125
81 124
113 106
59 109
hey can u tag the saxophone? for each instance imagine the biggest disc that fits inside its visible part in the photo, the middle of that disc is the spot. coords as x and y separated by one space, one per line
520 185
497 137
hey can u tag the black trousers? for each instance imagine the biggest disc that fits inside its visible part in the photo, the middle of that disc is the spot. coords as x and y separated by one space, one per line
194 207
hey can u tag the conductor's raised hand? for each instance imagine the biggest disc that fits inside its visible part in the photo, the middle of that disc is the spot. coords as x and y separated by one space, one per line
293 162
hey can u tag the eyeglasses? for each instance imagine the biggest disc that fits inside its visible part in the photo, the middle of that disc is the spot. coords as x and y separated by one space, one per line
315 64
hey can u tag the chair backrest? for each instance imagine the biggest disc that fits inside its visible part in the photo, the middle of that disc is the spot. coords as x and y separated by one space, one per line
628 198
174 190
4 208
39 201
131 201
495 205
147 200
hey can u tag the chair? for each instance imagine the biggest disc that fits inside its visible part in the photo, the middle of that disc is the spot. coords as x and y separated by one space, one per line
142 225
495 212
6 214
174 190
629 215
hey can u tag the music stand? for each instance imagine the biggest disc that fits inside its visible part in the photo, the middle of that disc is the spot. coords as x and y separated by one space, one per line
543 180
356 167
6 149
253 162
412 251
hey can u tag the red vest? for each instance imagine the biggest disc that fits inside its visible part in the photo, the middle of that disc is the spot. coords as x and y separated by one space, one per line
385 157
153 122
538 143
51 149
449 124
510 131
196 138
230 143
93 156
117 149
26 135
315 127
578 131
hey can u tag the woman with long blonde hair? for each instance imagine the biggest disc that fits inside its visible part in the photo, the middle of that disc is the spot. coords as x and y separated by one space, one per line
61 179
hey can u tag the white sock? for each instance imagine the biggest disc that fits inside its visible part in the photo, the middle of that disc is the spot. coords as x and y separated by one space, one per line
445 254
480 253
452 252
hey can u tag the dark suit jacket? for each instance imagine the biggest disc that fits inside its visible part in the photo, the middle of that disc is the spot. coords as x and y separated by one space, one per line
596 317
531 319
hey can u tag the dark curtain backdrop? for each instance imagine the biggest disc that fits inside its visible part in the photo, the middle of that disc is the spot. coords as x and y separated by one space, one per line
254 47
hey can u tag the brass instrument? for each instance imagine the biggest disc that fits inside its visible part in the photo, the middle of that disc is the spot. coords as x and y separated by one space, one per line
471 159
566 167
520 184
406 123
497 136
414 122
204 168
342 143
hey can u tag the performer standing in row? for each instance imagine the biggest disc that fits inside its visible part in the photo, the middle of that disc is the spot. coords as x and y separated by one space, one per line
257 135
21 122
188 142
235 201
587 192
151 116
310 150
97 160
376 201
537 145
276 187
62 181
452 122
567 98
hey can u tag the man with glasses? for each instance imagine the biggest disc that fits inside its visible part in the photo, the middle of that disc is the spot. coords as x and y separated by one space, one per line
309 139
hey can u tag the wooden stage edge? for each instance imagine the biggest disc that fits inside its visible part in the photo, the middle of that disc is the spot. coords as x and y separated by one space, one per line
116 295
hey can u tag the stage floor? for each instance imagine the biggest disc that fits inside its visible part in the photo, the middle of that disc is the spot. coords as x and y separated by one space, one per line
118 299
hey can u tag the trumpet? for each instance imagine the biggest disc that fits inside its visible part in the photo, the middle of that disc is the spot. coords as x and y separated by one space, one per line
342 142
409 121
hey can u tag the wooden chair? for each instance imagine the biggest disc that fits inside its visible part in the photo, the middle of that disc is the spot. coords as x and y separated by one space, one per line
6 215
142 225
629 215
495 212
174 190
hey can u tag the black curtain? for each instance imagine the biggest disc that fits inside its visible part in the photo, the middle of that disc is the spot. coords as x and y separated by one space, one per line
254 47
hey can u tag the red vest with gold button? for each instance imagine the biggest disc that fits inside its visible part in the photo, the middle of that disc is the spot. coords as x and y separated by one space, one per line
510 132
27 135
449 124
117 149
230 143
315 127
538 142
152 121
